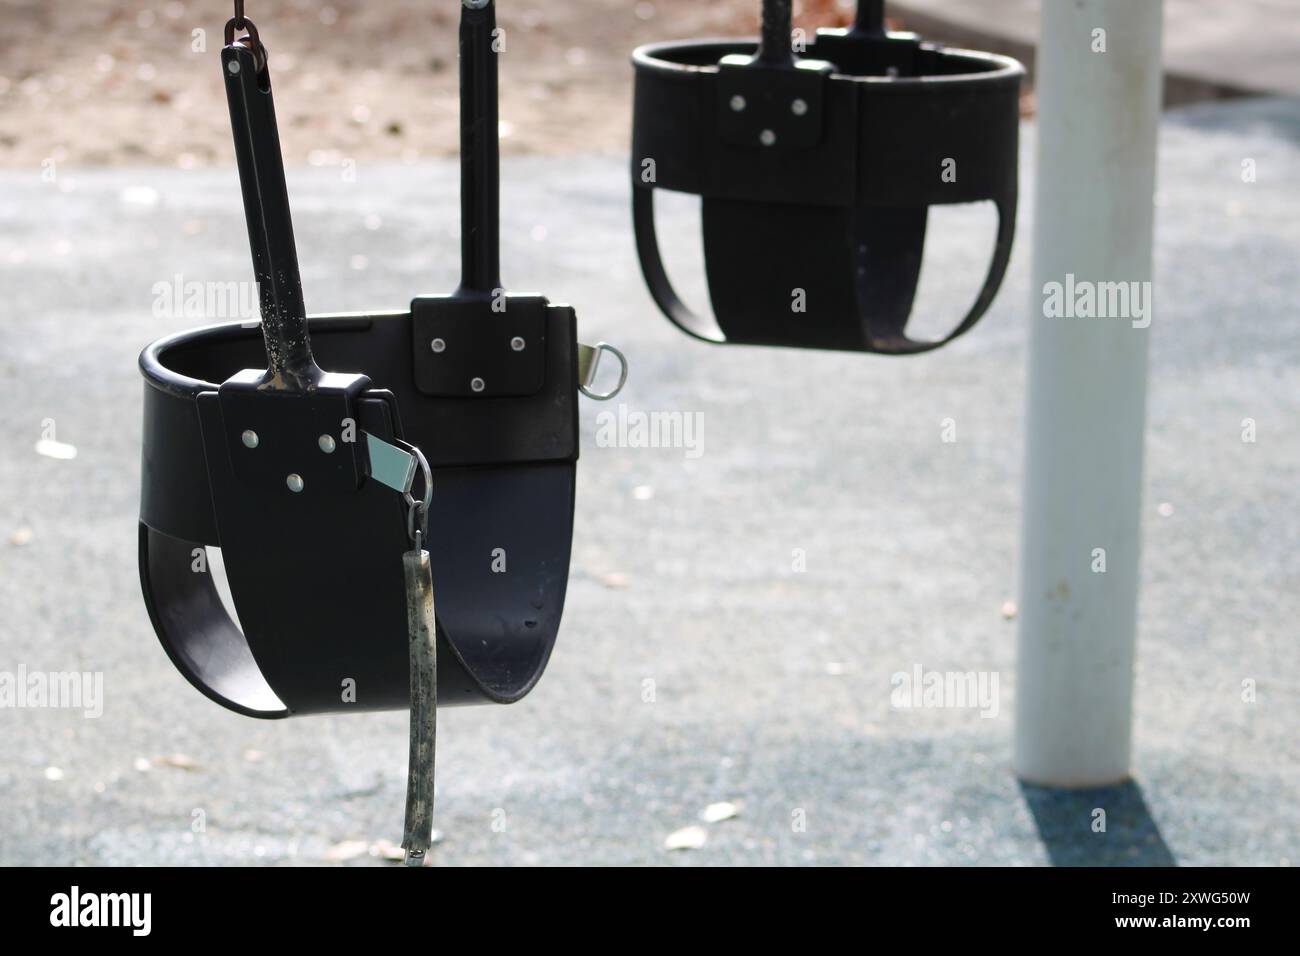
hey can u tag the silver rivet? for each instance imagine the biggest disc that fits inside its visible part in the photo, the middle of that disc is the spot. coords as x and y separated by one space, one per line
233 66
738 103
517 343
477 384
295 483
799 107
767 137
250 439
326 443
438 345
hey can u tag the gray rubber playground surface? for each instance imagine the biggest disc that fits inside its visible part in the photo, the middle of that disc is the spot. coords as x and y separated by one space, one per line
771 687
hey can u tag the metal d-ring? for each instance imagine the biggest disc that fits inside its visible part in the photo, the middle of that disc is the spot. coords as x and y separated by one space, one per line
417 529
590 362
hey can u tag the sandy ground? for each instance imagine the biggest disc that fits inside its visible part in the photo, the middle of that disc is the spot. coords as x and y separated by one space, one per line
111 82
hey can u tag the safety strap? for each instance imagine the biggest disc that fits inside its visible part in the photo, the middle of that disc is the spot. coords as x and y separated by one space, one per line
394 465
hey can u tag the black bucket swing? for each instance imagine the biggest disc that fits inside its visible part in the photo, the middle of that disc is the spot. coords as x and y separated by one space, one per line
816 168
321 488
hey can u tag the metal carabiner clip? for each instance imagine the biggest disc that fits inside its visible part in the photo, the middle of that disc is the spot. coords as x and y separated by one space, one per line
417 509
393 463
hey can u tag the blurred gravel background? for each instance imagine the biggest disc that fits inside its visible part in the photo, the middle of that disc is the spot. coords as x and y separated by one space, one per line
129 81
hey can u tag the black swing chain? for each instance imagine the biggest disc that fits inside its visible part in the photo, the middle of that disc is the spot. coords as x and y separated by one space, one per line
254 41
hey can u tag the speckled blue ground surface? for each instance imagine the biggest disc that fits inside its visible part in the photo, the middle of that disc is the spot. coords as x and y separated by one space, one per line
772 687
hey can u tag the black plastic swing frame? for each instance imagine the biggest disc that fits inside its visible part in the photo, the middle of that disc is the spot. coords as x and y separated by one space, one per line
816 173
316 574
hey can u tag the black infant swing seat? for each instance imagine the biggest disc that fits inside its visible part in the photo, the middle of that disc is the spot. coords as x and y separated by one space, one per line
317 580
291 471
816 173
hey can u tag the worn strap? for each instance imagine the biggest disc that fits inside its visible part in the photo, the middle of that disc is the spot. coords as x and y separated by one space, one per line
422 633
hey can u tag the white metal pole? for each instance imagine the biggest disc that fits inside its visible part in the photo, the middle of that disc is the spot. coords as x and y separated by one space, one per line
1098 93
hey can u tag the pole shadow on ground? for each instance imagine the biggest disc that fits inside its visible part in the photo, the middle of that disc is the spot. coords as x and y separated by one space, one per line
1065 820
